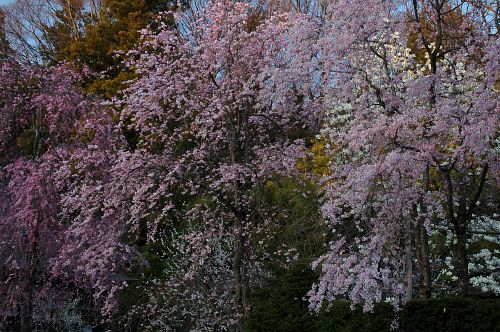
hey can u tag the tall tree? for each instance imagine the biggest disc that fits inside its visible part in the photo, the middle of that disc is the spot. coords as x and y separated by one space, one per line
46 122
30 232
218 113
99 39
417 138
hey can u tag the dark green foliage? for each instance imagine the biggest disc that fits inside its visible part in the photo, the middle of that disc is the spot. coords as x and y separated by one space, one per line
280 306
452 315
340 318
26 141
297 222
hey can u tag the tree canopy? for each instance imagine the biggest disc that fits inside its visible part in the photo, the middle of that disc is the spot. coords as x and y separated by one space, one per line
248 165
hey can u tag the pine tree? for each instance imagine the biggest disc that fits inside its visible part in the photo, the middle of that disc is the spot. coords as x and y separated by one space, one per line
98 38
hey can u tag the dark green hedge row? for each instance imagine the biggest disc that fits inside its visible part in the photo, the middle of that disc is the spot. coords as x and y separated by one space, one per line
280 307
452 314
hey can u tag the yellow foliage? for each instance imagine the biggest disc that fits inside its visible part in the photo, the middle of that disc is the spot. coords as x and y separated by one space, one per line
318 158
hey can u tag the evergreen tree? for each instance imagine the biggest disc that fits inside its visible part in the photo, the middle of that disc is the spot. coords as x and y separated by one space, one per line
100 42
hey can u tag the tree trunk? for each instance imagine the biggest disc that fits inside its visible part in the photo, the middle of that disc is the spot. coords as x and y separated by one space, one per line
408 263
239 270
33 260
239 287
26 312
423 256
425 289
461 259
